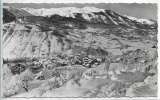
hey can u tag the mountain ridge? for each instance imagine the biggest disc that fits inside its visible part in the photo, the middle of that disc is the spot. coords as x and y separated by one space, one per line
91 15
68 11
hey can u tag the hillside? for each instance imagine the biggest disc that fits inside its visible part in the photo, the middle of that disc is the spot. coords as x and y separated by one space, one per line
89 51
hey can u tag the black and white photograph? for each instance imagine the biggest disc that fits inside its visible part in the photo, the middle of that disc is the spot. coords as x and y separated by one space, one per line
79 50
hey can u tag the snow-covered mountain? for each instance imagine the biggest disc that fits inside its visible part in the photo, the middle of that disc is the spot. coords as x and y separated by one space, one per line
64 11
93 15
74 16
46 22
78 52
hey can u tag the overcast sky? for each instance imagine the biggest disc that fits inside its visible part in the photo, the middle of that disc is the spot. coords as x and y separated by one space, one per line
78 1
148 11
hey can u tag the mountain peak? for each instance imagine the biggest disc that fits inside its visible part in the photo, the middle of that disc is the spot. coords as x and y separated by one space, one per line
64 11
87 14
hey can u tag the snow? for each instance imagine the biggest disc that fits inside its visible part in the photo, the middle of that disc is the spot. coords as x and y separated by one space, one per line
112 19
64 11
85 16
143 21
85 11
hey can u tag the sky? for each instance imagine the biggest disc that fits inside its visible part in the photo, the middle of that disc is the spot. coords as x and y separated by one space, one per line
71 1
147 11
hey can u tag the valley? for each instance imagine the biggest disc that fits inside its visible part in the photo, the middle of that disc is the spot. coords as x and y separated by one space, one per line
68 55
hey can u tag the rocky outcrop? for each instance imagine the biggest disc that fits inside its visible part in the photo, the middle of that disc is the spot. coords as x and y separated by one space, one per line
7 16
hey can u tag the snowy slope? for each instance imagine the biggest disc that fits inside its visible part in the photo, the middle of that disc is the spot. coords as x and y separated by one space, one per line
143 21
88 13
64 11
